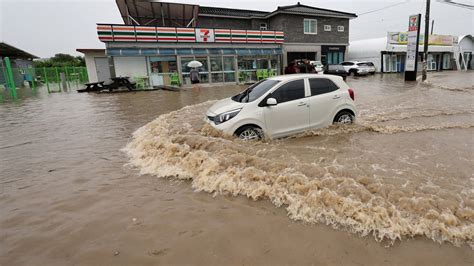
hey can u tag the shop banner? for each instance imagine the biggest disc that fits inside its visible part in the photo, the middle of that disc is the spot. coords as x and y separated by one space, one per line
401 38
412 42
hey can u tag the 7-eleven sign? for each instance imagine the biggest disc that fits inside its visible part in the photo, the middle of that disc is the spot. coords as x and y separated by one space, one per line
204 35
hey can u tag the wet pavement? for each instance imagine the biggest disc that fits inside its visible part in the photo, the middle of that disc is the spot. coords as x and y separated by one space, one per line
71 193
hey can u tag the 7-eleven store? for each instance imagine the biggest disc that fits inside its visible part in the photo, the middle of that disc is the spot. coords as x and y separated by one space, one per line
157 53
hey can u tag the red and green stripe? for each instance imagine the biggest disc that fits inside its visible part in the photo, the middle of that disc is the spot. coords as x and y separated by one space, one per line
166 34
185 35
222 36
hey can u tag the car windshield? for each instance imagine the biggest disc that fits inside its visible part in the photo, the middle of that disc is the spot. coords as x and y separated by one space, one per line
255 91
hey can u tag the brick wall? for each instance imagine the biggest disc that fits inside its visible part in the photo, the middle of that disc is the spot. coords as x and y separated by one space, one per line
293 27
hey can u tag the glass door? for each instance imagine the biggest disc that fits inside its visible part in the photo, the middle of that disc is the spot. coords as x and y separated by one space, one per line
431 63
217 76
229 69
203 70
162 70
446 61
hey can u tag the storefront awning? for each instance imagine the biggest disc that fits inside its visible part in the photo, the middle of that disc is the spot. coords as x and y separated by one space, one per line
192 51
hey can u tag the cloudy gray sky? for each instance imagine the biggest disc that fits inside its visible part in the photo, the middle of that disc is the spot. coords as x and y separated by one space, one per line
47 27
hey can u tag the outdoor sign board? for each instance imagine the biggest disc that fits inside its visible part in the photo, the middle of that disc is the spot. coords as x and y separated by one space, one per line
413 41
401 38
205 35
127 33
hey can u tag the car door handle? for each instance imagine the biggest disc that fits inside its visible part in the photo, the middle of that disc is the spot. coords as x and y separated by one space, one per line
301 104
336 97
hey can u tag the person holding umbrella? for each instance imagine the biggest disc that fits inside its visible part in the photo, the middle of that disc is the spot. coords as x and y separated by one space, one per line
194 73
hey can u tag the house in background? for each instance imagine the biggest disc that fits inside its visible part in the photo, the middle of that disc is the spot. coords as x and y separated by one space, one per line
18 59
158 40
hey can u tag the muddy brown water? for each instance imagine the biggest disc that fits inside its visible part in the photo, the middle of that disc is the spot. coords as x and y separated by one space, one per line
395 188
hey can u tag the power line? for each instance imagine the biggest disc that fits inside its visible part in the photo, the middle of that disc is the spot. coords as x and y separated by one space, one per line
383 8
450 2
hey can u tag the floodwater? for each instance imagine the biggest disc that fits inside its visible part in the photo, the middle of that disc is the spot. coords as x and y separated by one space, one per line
79 182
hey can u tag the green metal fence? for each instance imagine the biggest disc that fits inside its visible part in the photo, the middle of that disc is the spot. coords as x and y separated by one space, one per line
52 78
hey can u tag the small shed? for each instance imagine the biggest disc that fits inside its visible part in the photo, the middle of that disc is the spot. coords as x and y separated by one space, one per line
97 64
19 59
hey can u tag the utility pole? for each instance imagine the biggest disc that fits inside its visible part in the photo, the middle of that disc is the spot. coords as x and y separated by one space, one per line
427 34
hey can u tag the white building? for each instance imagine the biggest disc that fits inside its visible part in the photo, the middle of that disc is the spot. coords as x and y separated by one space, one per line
463 53
388 53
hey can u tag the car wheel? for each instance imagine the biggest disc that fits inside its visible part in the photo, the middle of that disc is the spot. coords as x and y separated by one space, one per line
352 73
344 117
248 133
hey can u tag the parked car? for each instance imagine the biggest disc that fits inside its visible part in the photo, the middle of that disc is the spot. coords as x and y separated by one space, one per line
371 67
337 70
355 68
318 66
284 105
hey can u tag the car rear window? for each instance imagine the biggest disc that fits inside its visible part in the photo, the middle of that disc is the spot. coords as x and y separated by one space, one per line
362 64
336 67
290 91
321 86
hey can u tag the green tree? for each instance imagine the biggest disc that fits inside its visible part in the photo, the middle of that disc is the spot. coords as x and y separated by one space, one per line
60 60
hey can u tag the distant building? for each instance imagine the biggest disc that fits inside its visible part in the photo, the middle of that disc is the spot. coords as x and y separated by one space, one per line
159 39
464 52
19 59
389 53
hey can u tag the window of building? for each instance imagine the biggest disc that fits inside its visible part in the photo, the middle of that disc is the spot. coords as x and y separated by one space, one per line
340 28
327 27
321 86
290 91
263 26
310 26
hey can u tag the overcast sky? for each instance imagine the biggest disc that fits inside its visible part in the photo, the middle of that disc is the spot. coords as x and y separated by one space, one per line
47 27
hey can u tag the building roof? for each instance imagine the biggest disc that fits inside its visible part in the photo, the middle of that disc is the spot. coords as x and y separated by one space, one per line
157 13
89 50
297 9
220 11
7 50
300 9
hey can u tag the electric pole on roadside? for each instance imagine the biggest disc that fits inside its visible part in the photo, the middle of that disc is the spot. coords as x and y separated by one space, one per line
425 44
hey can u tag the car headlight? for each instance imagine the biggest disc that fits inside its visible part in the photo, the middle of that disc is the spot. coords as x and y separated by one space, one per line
221 118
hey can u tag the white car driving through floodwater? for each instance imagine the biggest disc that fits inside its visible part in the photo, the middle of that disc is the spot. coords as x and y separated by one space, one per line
284 105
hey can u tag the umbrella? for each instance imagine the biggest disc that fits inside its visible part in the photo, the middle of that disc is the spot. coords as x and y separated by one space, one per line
194 64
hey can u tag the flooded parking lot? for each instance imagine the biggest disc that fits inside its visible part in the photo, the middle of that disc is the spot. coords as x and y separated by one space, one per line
74 191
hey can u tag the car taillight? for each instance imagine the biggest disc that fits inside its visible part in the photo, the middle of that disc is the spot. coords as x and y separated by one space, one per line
351 93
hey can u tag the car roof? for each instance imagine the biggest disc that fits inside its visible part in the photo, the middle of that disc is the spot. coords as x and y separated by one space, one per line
301 76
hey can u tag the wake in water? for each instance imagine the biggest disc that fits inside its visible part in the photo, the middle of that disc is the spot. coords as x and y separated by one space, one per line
321 178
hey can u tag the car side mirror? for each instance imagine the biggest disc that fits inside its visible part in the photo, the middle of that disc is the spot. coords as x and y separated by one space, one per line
271 101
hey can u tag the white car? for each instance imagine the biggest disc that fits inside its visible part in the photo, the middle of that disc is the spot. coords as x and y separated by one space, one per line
284 105
318 66
371 67
356 68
